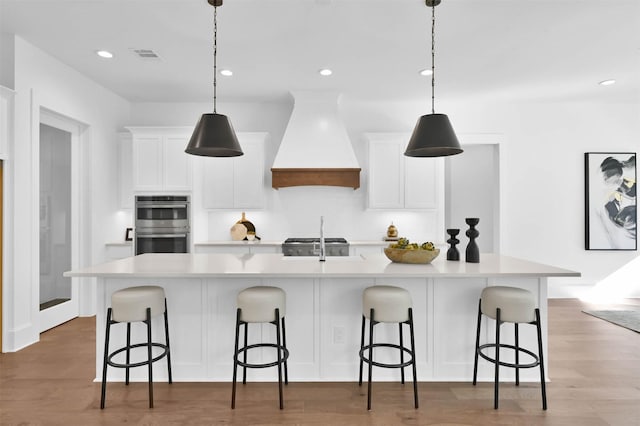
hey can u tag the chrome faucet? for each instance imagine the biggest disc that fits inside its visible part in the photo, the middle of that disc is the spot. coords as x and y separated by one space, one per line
322 246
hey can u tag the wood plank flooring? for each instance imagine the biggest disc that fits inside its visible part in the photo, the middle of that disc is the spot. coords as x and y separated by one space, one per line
594 368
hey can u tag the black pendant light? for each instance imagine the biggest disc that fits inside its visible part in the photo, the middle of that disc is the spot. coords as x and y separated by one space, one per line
214 135
433 135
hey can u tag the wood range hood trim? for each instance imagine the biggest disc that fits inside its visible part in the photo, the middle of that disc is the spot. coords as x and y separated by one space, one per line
288 177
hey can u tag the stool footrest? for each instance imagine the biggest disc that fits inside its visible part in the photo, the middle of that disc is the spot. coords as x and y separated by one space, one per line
385 365
535 363
136 364
285 355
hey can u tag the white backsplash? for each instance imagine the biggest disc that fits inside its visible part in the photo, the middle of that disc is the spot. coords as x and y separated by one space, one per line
295 212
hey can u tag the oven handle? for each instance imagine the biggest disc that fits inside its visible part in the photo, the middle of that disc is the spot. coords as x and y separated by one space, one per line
161 235
161 206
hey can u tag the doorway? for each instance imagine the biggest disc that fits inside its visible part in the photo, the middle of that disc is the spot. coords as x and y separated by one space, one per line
473 190
55 216
58 146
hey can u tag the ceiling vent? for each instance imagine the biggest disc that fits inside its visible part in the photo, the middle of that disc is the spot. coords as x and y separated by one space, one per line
146 54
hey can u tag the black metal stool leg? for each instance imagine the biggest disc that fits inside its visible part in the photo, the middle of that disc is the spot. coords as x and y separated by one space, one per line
244 358
413 359
235 361
150 353
517 345
475 362
103 392
541 358
361 346
166 333
371 322
279 350
128 356
401 353
284 345
497 378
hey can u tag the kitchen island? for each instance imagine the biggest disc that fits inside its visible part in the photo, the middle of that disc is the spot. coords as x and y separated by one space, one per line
323 310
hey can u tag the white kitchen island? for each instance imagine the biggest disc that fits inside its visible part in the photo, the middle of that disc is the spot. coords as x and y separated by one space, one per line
323 315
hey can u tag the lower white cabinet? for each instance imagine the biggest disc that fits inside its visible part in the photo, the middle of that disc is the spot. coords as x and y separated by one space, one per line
117 251
238 247
357 249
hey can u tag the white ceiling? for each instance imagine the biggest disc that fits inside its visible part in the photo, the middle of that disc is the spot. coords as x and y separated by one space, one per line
524 49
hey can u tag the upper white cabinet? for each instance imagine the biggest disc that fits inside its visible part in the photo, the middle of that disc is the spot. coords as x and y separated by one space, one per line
125 185
159 160
6 119
399 182
235 182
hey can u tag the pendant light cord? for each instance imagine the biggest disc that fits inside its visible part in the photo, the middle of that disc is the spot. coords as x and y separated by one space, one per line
433 58
215 56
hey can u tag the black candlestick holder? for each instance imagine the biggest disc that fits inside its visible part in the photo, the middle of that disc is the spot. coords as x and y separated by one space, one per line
472 254
453 253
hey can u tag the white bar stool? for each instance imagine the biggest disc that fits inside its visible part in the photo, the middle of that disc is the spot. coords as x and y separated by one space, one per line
261 304
517 306
136 304
387 304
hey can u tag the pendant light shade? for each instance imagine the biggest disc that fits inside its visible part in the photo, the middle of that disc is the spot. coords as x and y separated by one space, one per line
433 136
214 137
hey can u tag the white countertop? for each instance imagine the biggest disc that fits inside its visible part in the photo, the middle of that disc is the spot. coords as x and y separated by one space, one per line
199 265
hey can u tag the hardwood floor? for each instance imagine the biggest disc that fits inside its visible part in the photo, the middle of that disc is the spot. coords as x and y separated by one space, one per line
594 368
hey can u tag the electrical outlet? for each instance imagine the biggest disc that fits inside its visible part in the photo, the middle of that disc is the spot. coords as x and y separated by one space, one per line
339 335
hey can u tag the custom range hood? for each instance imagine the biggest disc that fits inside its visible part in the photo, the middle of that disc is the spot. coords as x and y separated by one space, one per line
315 148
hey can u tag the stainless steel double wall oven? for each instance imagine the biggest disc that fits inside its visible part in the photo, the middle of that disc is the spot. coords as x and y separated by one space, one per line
162 224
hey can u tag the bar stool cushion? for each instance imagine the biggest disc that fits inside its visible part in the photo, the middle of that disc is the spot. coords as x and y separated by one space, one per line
130 304
516 304
257 304
390 304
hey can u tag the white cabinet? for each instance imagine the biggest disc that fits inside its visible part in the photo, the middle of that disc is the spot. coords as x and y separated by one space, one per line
239 247
399 182
364 248
6 120
235 182
159 160
117 251
125 183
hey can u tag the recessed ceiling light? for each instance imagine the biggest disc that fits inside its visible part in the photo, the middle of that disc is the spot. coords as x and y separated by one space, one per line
104 54
325 72
226 73
607 82
426 72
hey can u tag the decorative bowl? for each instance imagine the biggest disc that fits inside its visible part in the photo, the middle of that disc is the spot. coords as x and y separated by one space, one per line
411 256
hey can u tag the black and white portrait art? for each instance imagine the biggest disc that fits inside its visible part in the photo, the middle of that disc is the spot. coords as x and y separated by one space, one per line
611 201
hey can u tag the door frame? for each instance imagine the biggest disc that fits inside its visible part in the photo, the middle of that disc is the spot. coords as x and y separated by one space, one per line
58 314
499 178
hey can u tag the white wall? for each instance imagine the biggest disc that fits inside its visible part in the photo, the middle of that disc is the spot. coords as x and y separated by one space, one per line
545 207
43 82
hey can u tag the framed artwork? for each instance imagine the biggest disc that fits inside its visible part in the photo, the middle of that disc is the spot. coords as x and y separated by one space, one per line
610 201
